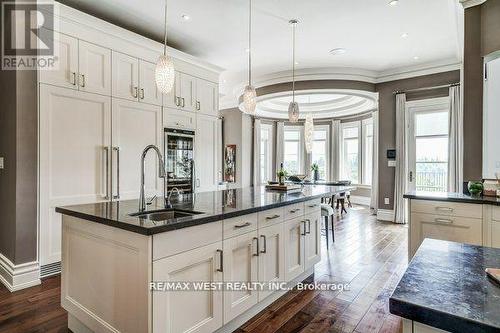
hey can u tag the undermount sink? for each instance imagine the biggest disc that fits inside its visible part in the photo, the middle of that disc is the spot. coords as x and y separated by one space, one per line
164 215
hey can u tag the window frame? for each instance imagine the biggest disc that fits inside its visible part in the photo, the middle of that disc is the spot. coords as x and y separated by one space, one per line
327 148
361 127
364 124
301 149
270 150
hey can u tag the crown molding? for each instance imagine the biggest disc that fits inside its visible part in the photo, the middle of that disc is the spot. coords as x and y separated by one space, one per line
471 3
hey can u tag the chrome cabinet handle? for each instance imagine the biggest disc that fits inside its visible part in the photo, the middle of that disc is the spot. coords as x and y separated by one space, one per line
83 80
445 221
446 209
135 94
238 226
295 210
176 100
312 206
106 154
221 257
303 223
183 104
73 78
264 247
308 231
198 105
142 93
117 149
272 217
256 254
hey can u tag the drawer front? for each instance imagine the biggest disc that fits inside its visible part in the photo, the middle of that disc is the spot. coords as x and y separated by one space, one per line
179 119
177 241
294 211
450 228
271 217
447 208
312 206
495 213
239 225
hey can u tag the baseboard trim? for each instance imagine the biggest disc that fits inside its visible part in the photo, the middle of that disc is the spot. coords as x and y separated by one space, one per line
385 215
17 277
360 200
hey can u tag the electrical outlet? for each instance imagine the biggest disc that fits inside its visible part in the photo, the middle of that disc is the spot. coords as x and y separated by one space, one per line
386 201
1 162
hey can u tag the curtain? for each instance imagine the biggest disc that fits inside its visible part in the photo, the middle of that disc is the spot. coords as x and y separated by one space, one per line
335 151
374 193
280 142
256 152
456 141
400 175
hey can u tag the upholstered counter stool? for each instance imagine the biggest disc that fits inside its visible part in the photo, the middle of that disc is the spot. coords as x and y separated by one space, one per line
327 212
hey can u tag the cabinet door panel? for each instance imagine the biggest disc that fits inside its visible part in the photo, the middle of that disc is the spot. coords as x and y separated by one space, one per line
240 265
188 311
65 70
272 257
188 92
294 248
175 118
135 125
94 63
125 80
206 153
312 243
148 92
75 129
206 95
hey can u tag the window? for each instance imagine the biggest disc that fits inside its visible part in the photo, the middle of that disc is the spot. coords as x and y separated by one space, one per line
367 157
293 142
357 151
320 150
266 153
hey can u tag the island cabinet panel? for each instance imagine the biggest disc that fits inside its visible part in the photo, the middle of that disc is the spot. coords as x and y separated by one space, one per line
240 225
294 210
271 216
294 232
312 206
491 232
447 208
312 244
271 257
240 265
189 311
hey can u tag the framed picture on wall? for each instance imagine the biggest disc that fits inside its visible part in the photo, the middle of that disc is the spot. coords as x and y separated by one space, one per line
230 163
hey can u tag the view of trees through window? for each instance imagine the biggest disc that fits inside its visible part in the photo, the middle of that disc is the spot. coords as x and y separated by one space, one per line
320 151
292 149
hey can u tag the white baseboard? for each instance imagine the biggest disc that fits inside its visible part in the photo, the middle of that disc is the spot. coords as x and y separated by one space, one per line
360 200
17 277
385 215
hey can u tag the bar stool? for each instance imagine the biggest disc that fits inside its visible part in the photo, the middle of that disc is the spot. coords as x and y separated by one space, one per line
327 212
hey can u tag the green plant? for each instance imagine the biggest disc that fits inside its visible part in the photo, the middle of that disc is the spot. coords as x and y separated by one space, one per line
315 167
282 173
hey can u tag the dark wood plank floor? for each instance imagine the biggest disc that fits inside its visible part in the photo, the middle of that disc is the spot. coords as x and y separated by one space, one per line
368 254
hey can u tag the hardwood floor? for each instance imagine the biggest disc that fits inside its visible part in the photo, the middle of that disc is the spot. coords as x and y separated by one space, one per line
368 254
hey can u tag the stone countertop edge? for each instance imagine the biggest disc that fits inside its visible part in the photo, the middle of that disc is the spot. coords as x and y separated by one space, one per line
452 197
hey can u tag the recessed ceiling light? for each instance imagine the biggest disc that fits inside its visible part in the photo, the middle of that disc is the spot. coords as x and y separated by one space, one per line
337 51
393 2
405 35
416 57
185 17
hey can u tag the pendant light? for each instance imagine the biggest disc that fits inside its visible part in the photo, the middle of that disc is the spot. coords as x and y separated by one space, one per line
164 71
309 132
249 93
293 108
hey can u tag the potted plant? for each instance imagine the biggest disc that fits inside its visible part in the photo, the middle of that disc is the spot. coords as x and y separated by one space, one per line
281 174
315 170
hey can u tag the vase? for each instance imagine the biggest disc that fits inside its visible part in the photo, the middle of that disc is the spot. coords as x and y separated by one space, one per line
316 175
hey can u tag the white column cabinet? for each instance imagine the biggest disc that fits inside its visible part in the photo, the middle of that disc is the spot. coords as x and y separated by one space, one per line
271 257
240 265
125 76
312 241
207 97
189 311
94 64
206 152
294 247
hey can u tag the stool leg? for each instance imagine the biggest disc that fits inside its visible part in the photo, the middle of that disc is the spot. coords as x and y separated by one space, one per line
333 230
326 227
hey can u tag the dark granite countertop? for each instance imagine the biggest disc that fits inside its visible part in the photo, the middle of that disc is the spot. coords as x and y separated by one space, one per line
445 286
452 197
214 206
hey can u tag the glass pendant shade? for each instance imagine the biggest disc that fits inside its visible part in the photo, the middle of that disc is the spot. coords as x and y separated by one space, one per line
165 74
309 133
249 100
293 112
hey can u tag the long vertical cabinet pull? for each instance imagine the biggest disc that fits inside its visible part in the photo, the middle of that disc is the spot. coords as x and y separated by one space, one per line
117 149
257 250
106 167
221 257
264 244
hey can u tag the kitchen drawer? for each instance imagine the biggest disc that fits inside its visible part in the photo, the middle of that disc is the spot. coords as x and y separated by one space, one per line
271 216
179 119
445 208
495 213
294 210
240 225
312 206
177 241
450 228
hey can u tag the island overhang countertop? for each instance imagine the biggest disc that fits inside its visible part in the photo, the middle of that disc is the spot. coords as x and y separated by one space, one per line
452 197
213 206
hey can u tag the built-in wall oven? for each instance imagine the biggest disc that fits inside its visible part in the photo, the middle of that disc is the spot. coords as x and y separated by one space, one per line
179 156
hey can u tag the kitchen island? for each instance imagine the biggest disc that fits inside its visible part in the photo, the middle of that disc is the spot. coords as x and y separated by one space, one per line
116 262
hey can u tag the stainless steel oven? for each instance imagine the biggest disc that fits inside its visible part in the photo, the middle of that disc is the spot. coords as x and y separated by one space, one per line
179 157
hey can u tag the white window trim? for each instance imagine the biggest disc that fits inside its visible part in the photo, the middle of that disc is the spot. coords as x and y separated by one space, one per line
301 151
359 124
270 148
364 122
328 148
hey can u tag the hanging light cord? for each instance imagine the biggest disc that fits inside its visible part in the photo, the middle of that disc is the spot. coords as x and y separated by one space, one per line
165 40
293 63
250 43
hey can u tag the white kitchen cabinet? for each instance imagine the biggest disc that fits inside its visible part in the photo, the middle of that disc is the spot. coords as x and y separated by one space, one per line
189 311
312 241
207 146
94 65
75 152
185 89
207 97
294 231
125 76
171 100
148 93
135 125
271 257
175 118
65 72
240 265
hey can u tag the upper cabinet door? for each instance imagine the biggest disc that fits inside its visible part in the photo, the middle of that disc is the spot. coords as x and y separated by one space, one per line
187 92
148 92
95 68
171 100
65 72
125 76
207 99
